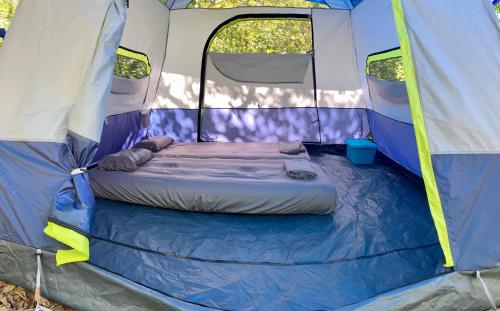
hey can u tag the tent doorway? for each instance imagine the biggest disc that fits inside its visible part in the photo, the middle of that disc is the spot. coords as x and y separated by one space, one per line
241 99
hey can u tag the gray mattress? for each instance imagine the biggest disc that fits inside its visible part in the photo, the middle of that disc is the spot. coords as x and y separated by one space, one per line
222 150
218 185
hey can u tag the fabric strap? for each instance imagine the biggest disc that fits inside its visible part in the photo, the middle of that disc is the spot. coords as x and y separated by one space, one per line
487 291
78 242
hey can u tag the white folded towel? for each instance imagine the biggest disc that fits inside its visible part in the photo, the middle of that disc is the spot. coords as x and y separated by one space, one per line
300 169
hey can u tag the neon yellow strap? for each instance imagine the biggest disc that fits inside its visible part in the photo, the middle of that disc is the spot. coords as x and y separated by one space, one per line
382 56
79 244
135 55
421 133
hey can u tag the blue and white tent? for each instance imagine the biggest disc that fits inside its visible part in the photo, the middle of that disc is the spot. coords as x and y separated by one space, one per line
393 242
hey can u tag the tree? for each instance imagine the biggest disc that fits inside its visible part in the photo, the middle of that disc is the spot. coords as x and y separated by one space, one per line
224 4
7 9
390 69
130 68
265 36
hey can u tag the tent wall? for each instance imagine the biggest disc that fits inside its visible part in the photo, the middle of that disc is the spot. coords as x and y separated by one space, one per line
342 113
341 108
455 98
388 107
175 111
54 93
239 106
145 32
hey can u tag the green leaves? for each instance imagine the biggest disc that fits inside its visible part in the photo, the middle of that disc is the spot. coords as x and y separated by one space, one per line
130 68
265 36
224 4
280 36
388 69
7 9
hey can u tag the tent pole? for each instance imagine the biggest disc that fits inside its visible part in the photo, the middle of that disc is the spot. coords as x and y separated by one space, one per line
315 87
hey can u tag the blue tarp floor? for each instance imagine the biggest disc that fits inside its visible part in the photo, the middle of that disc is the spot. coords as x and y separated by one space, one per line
380 237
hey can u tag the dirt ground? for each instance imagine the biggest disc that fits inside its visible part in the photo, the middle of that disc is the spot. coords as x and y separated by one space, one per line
15 298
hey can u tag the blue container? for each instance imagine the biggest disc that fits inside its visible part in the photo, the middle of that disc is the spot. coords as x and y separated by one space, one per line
361 151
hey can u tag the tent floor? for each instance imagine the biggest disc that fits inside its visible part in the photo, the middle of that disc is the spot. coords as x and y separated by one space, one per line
380 237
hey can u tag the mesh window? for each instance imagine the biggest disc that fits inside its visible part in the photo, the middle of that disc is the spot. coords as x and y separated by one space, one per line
224 4
264 36
131 65
386 66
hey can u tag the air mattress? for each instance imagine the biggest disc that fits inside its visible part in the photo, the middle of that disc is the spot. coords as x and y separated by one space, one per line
218 185
222 150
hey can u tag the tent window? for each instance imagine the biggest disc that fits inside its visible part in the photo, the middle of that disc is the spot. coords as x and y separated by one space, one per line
386 65
264 36
224 4
131 64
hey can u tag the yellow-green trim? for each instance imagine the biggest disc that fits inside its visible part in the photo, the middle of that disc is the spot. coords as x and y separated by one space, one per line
135 55
381 56
79 244
421 133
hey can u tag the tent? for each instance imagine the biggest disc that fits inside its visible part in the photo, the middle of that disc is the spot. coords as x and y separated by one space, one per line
393 243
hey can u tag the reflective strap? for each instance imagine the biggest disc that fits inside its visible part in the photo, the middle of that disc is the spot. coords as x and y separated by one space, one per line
421 133
487 291
79 244
381 56
135 55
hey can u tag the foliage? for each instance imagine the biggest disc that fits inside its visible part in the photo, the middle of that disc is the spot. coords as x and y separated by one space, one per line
224 4
7 8
130 68
280 36
388 69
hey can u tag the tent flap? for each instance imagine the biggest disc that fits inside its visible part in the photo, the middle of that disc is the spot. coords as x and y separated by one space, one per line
421 132
455 112
55 91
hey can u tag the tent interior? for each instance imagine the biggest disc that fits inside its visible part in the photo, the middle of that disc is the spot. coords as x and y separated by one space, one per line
376 233
322 97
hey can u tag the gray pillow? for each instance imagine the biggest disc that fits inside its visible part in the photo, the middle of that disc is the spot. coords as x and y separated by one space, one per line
155 144
126 160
